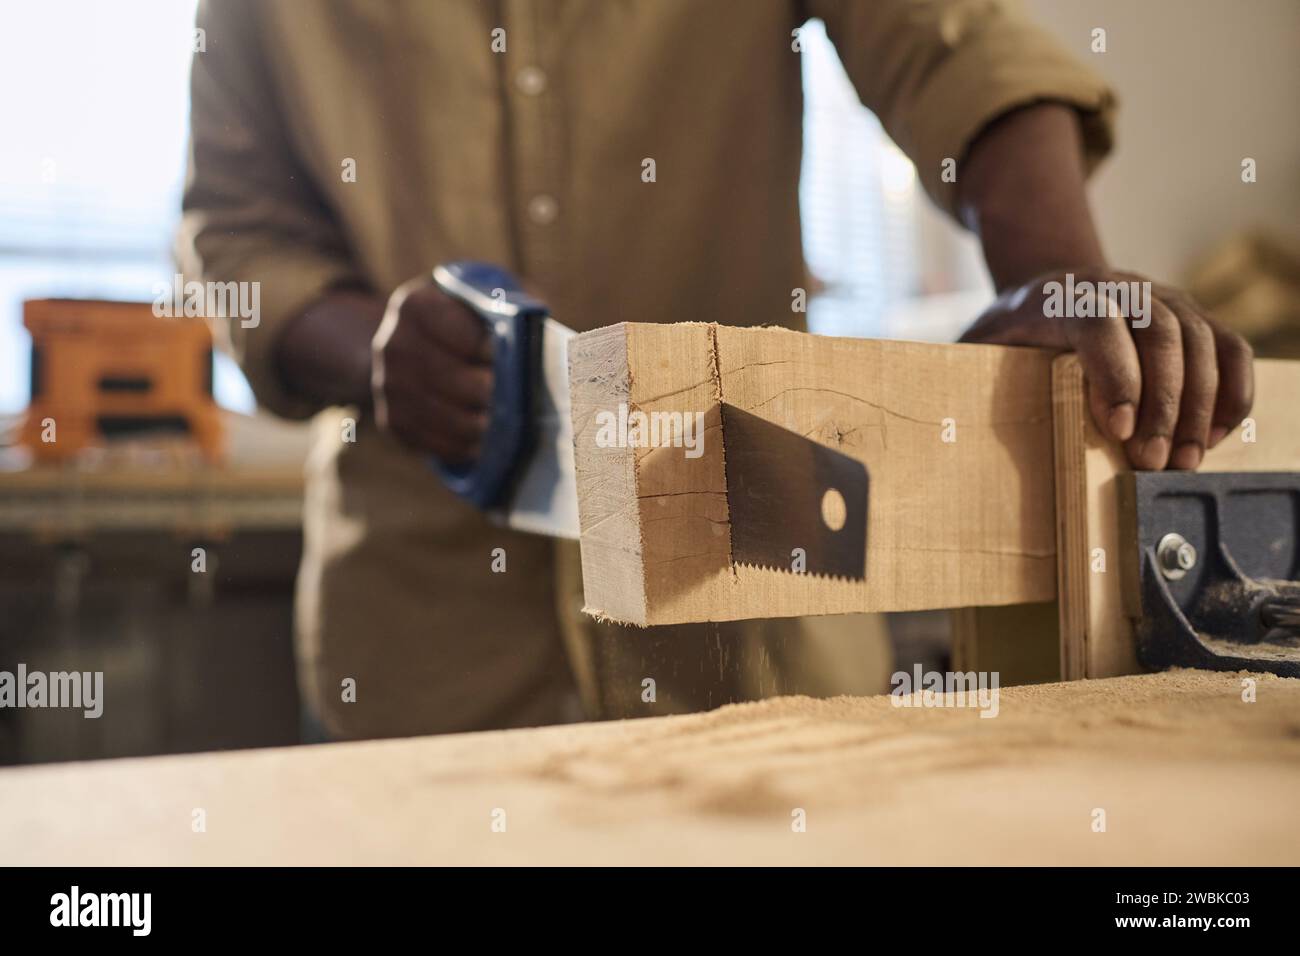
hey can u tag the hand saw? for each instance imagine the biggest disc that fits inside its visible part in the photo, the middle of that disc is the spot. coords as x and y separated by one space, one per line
525 476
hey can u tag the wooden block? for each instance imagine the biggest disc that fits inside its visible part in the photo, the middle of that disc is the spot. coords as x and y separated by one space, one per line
950 523
1096 633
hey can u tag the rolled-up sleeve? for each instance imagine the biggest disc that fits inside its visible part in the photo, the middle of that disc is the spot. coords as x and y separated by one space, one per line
936 72
250 213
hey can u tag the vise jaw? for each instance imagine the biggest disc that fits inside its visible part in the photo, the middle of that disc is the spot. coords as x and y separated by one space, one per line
1210 566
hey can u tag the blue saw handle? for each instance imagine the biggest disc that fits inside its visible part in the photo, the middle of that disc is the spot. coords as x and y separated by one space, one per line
513 319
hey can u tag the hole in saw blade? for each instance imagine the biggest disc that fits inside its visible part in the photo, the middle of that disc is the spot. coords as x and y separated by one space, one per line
834 510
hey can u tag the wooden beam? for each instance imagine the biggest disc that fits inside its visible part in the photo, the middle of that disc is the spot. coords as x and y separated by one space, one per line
956 439
1096 633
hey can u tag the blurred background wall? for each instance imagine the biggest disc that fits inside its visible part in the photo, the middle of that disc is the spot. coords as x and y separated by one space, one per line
1202 84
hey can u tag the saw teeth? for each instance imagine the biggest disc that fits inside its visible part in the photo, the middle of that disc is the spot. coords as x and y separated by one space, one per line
799 574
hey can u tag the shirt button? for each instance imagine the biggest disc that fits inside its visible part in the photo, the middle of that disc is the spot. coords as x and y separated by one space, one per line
531 81
543 210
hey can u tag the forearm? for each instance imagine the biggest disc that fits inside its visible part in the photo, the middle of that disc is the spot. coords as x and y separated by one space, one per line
323 354
1022 190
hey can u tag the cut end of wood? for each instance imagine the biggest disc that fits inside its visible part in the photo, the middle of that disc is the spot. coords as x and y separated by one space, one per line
603 617
600 379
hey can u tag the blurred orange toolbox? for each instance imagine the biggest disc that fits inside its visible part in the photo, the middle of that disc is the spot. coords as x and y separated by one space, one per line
105 369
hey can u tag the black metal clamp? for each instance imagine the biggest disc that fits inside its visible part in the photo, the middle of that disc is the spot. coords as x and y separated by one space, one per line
1210 564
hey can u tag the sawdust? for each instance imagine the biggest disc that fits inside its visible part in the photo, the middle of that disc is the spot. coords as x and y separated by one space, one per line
747 759
1174 769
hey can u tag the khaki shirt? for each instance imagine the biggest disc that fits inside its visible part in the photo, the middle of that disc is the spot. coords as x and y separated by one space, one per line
515 132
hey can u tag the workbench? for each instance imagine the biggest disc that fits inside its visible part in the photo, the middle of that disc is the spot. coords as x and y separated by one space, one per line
98 573
1184 768
259 488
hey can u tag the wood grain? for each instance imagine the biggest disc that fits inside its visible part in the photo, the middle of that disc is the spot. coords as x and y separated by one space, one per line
950 523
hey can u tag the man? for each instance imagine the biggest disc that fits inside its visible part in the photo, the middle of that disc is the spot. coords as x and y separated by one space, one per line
341 149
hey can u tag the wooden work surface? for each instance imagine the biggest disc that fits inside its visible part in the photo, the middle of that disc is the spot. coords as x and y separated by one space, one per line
1186 772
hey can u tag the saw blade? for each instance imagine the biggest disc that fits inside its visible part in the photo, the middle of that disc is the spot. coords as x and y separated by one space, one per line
545 498
795 504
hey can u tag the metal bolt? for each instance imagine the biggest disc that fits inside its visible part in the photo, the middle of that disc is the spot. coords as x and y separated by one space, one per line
1176 556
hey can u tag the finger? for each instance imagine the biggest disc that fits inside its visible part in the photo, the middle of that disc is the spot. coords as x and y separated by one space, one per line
449 323
1200 386
1110 362
464 426
458 387
415 428
415 399
1236 393
1160 351
455 380
1235 361
415 364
